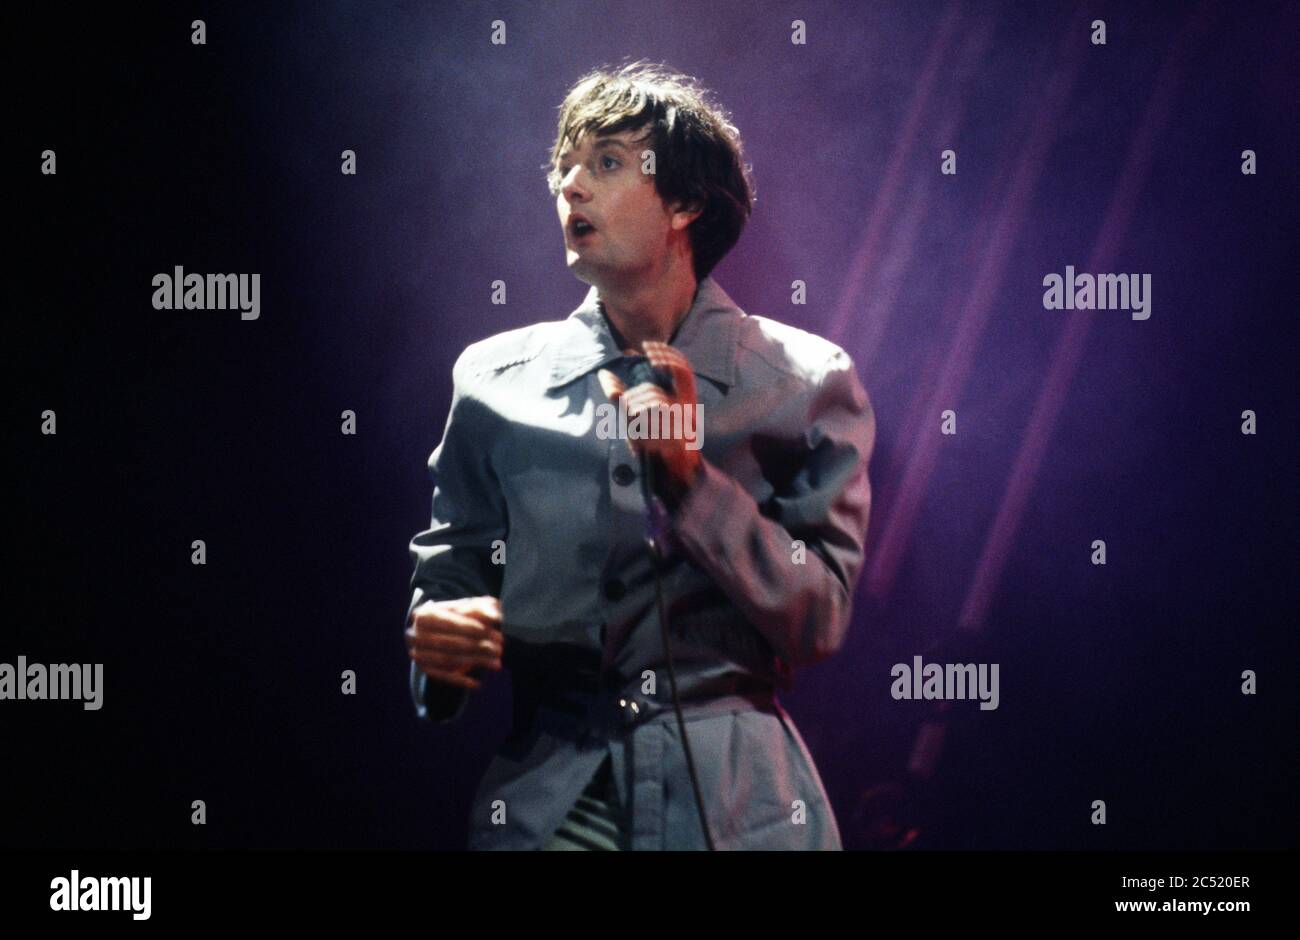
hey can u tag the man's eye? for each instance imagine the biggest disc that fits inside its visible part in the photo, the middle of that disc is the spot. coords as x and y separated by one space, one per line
563 171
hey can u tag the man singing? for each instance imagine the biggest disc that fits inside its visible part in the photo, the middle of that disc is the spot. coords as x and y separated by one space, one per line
537 557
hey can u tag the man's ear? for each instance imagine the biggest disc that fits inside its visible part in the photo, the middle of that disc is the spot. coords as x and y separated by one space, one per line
686 213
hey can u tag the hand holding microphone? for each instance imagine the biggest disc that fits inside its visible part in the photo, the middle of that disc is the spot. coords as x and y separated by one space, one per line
681 463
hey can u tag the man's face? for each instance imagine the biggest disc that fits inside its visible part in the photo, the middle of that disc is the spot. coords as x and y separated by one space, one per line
601 181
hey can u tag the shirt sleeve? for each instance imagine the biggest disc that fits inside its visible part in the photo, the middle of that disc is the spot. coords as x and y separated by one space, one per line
453 556
800 602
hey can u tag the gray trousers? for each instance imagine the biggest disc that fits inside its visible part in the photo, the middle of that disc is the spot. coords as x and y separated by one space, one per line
596 823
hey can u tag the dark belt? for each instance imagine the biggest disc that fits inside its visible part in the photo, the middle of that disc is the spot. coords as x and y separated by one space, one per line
562 689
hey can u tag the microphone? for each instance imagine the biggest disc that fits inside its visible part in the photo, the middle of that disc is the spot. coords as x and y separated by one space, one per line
642 372
656 514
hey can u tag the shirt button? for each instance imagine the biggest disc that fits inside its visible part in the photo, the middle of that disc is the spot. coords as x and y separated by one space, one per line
615 589
623 474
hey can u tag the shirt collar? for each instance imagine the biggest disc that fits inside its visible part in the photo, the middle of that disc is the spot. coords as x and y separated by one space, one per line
706 337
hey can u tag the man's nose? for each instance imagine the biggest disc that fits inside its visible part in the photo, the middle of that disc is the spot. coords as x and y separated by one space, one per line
571 186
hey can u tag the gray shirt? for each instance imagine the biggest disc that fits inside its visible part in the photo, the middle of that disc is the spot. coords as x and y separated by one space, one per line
532 504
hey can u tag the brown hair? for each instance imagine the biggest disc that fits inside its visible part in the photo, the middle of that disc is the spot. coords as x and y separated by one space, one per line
699 158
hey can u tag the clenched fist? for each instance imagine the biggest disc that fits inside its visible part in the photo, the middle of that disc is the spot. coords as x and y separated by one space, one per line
448 639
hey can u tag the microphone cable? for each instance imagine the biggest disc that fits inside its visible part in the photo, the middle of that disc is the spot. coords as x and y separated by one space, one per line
656 538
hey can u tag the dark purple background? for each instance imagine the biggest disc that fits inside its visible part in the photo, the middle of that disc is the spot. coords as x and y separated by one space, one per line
222 682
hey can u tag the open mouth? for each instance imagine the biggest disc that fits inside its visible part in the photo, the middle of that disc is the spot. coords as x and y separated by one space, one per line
580 228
